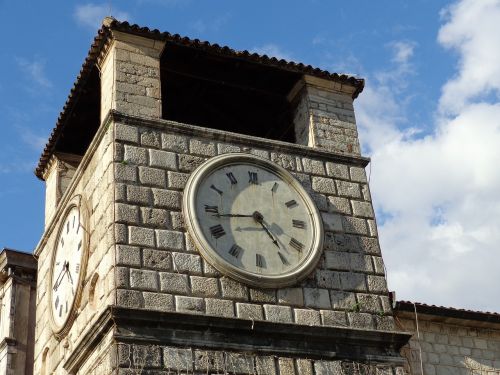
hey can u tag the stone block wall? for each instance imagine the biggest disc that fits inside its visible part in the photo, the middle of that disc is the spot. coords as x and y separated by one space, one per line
158 268
17 297
130 76
58 176
324 116
94 182
157 359
102 360
462 347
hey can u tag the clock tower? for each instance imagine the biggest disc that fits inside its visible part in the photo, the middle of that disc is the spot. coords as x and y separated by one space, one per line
208 212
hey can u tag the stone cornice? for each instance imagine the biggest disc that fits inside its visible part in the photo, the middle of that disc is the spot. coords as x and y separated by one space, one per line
225 136
234 334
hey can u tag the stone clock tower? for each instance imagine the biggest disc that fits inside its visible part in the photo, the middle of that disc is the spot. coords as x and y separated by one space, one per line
208 212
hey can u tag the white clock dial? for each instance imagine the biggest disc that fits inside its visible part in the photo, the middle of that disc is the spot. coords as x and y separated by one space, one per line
67 267
252 220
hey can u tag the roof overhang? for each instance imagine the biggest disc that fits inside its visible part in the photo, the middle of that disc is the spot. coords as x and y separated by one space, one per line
103 40
447 315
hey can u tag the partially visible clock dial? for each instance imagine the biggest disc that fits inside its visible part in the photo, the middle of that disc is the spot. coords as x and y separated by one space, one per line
252 220
68 268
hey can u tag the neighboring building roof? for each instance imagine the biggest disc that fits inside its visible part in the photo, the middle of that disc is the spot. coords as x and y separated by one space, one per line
12 260
102 38
445 314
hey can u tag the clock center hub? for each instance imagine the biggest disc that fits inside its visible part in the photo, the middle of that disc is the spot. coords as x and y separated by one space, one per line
258 217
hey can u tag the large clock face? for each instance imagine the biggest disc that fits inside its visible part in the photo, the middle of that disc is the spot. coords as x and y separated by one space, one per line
252 220
67 267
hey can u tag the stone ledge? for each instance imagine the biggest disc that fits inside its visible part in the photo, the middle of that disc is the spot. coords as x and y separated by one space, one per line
234 334
225 136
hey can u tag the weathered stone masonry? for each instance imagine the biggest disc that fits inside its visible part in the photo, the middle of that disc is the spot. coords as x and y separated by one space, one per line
94 183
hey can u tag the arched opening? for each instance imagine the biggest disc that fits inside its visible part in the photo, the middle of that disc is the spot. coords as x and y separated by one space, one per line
226 93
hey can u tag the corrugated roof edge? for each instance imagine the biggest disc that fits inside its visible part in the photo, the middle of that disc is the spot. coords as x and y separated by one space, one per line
447 312
113 24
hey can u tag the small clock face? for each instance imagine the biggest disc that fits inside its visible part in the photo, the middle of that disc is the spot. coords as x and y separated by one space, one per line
252 220
67 268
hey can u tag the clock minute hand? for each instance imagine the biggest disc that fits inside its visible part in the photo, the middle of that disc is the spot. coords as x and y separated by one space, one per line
260 219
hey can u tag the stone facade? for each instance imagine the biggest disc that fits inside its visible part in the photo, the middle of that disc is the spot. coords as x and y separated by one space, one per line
449 344
152 304
130 76
58 176
324 115
93 183
17 312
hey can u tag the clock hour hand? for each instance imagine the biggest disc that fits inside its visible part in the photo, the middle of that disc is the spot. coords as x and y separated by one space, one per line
260 219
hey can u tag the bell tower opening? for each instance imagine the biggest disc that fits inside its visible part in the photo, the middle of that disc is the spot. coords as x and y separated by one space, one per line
227 93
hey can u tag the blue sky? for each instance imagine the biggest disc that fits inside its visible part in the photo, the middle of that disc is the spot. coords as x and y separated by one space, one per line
429 115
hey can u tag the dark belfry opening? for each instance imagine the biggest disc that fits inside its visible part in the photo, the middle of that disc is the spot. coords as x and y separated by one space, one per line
226 93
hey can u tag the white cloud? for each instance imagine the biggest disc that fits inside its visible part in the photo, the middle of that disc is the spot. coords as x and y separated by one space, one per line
35 70
215 24
472 28
272 50
437 195
403 51
395 78
91 15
